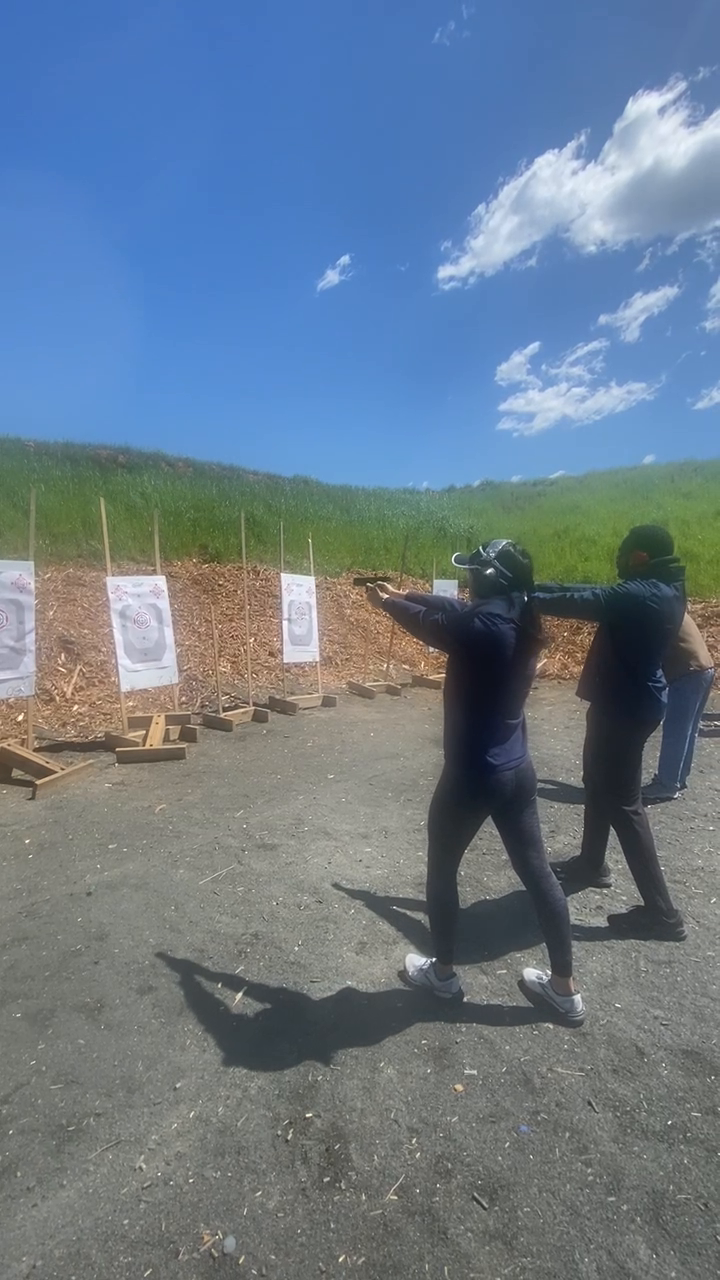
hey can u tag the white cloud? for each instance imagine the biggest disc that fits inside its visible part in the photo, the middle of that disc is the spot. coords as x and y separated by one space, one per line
709 399
712 324
555 475
515 479
516 368
657 177
648 459
634 312
582 363
443 35
572 395
335 275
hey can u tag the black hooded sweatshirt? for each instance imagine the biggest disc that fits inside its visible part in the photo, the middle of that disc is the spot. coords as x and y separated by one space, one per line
638 619
491 663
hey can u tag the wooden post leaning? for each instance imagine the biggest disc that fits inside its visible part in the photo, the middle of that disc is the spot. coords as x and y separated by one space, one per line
46 774
247 711
366 688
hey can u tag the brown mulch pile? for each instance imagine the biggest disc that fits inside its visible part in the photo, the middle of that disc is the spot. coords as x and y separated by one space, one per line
77 686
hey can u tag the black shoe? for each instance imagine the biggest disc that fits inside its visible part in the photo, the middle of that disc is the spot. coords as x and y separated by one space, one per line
641 922
576 874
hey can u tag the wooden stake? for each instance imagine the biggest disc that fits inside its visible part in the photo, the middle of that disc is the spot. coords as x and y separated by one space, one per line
312 575
282 636
366 653
247 609
158 570
109 572
30 702
216 656
400 587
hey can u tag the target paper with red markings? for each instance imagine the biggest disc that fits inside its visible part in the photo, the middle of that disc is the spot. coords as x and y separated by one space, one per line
143 632
17 629
301 640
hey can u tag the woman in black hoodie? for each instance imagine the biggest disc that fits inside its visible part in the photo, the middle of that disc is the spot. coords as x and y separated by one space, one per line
492 643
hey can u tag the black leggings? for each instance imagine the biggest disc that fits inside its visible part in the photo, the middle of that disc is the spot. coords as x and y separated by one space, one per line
458 809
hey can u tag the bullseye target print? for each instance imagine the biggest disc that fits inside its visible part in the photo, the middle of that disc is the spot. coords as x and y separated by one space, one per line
17 629
143 632
301 641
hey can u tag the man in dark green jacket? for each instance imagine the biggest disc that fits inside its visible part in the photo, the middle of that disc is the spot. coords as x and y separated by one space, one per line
623 682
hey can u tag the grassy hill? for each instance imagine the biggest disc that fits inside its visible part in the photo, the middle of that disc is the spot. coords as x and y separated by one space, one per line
572 525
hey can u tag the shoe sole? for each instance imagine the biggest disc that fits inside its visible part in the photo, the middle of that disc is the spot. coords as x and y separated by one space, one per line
405 977
571 1020
638 935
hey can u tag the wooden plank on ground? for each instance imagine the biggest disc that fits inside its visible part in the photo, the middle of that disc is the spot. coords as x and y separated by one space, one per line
171 717
421 681
155 735
189 733
29 762
42 785
284 706
150 755
115 740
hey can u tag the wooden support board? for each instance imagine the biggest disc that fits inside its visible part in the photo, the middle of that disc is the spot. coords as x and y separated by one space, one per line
371 688
226 720
303 702
155 738
44 772
423 681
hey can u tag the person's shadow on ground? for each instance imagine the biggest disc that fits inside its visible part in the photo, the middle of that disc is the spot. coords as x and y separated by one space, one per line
489 929
560 792
294 1027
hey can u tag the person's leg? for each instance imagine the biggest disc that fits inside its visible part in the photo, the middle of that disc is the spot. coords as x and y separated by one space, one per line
629 819
456 814
515 814
596 818
704 684
676 734
457 811
589 868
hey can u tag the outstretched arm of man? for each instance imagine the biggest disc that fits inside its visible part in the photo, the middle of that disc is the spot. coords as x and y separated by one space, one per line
586 603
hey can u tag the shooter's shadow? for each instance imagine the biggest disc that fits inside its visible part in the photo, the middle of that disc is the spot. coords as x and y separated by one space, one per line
489 929
560 792
295 1028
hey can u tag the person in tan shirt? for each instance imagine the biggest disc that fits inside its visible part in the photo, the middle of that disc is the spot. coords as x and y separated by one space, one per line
689 671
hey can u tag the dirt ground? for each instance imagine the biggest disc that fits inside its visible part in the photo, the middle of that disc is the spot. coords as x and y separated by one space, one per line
203 1030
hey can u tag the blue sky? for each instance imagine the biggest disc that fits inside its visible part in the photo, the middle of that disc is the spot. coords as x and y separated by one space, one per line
392 242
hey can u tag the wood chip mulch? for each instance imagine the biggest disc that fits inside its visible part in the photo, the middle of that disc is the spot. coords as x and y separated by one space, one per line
77 687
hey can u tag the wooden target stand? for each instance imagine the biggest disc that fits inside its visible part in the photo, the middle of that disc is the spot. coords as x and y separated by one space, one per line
45 774
244 710
371 688
157 736
289 705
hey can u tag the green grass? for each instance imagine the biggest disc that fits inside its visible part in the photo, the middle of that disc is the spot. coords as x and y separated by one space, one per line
572 525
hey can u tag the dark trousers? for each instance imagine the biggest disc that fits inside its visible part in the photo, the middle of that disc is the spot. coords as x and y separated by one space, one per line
458 809
612 774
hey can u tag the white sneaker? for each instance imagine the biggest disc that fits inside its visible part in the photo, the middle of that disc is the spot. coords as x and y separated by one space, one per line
537 987
421 972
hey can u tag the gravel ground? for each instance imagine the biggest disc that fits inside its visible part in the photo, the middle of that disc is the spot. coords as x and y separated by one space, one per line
236 1055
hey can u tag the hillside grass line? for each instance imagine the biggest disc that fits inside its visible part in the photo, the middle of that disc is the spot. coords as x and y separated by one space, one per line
571 525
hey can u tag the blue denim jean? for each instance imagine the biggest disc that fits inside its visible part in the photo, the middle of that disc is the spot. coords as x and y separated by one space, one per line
687 697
